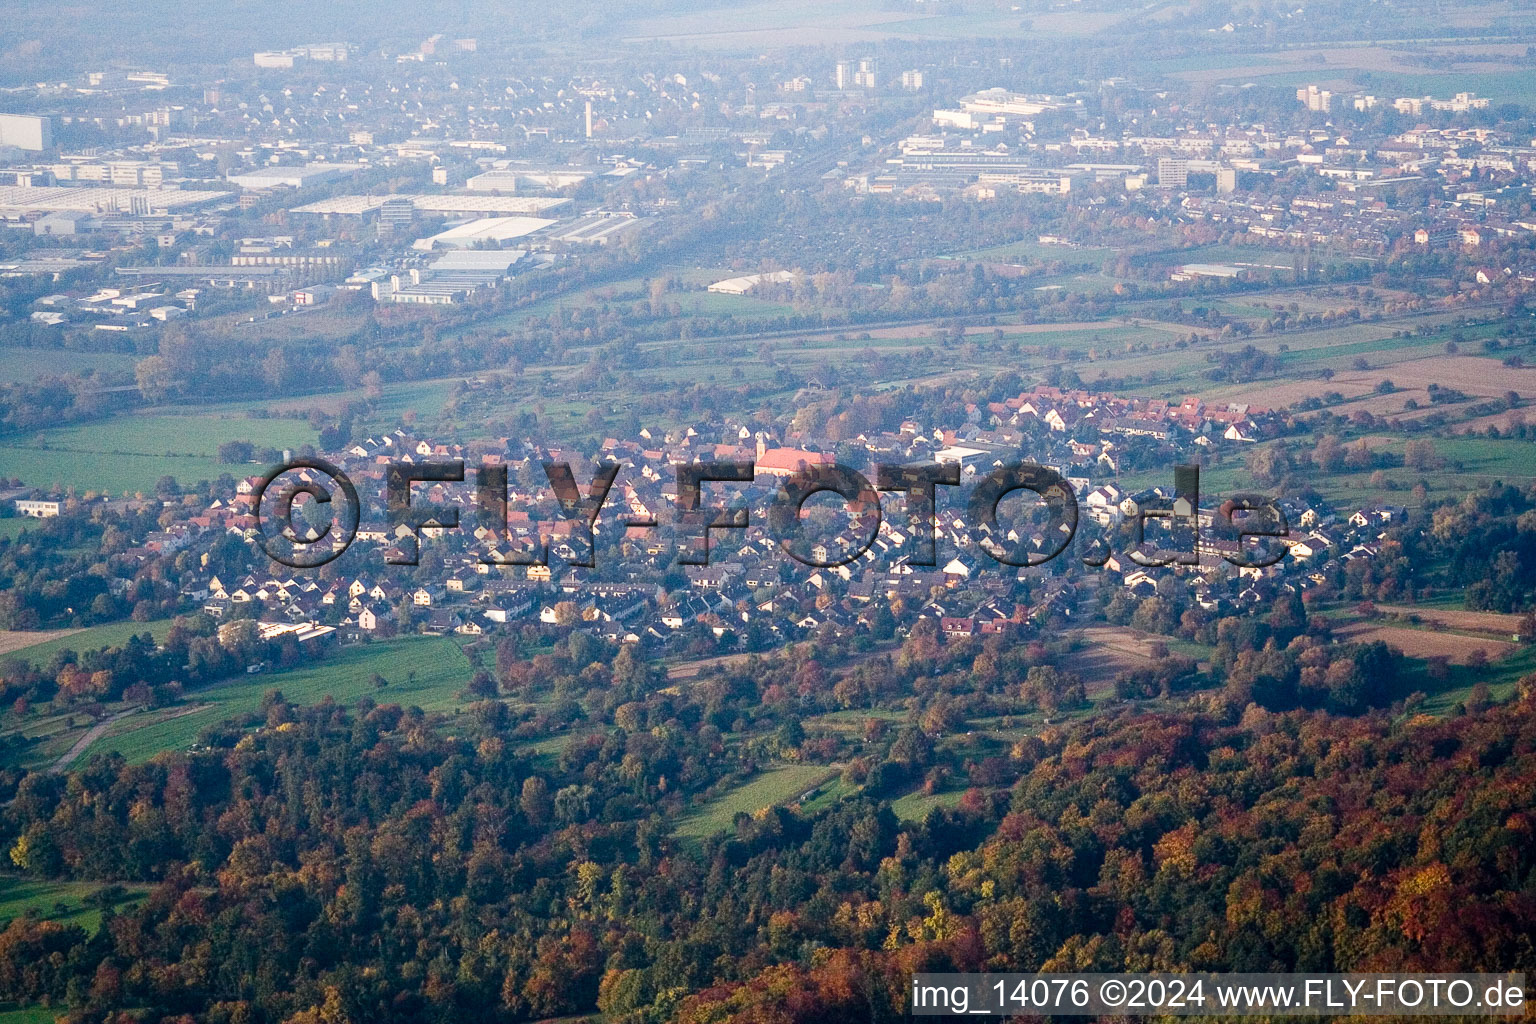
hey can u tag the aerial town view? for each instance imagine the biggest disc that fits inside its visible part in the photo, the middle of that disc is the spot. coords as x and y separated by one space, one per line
744 512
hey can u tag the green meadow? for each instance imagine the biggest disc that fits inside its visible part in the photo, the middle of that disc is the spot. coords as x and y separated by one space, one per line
30 1015
24 364
771 788
113 634
916 806
425 671
63 902
128 454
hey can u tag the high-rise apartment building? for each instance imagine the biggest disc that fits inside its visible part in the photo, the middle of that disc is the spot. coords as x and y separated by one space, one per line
1172 172
1313 98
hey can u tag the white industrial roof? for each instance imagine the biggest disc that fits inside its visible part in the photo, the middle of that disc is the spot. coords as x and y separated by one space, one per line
487 204
596 228
45 198
490 205
742 285
477 259
485 229
266 177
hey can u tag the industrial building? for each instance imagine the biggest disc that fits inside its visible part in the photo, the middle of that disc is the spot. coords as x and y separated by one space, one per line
483 231
26 131
598 228
451 278
959 168
126 173
135 201
510 179
454 205
743 285
291 177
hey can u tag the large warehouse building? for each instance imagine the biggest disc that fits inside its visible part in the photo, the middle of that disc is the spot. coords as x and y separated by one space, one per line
25 131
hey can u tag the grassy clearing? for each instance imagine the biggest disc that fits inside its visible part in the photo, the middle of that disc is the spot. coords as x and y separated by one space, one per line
1502 677
64 902
112 634
1030 249
425 671
1472 463
715 304
852 722
1316 356
829 795
1500 87
176 433
30 1015
916 806
771 788
114 474
49 737
1508 459
25 364
426 398
128 454
1260 258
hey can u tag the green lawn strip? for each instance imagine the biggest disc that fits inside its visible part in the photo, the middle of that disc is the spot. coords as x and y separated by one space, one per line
63 902
128 454
26 364
1502 676
829 795
111 634
780 785
916 806
439 664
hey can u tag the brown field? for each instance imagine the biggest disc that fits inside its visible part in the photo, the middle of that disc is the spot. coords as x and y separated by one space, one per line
1391 407
1421 643
1486 378
1075 23
1278 394
1390 60
1502 420
691 669
1110 651
766 25
17 639
918 330
1388 405
1471 375
1452 618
